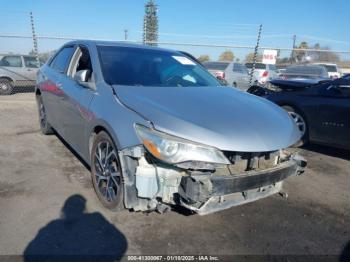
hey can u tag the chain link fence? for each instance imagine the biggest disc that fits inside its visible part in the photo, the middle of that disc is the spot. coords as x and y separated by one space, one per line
19 61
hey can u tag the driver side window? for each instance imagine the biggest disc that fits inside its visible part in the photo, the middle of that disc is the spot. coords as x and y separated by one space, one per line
82 62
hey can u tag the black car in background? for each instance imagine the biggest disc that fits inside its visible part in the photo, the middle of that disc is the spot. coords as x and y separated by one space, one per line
305 72
320 108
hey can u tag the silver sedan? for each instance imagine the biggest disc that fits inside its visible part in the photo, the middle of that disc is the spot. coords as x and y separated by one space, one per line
158 130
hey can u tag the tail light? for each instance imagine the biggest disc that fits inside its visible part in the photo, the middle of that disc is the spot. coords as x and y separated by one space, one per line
265 74
223 75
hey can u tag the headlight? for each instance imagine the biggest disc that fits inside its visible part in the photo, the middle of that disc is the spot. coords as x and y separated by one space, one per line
176 150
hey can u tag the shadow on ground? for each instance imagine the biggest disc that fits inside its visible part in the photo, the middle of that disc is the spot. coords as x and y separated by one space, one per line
330 151
77 236
345 256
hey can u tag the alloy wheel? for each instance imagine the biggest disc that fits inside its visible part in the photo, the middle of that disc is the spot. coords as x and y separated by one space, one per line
299 121
107 172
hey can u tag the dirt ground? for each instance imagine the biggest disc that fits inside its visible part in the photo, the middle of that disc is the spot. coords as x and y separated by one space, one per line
43 185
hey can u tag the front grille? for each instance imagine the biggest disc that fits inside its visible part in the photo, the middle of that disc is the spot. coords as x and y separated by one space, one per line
242 161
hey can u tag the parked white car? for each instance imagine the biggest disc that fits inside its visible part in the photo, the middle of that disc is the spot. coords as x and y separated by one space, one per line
17 71
332 69
263 72
235 74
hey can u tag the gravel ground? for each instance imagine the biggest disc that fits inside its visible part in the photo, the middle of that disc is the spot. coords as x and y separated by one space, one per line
44 188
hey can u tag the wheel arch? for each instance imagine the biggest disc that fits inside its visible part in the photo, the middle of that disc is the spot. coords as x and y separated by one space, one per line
301 112
99 127
7 78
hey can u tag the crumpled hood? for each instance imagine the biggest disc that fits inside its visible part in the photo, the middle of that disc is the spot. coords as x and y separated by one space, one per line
221 117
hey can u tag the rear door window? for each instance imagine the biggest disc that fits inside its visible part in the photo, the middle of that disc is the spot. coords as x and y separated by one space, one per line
61 61
31 62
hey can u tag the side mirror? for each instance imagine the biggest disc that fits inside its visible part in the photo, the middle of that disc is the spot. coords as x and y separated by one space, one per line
82 77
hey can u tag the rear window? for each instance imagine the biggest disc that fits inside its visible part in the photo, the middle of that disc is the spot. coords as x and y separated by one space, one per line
272 68
215 65
257 66
306 70
331 68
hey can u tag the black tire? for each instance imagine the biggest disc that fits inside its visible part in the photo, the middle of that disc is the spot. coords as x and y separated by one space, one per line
6 87
106 173
301 122
45 126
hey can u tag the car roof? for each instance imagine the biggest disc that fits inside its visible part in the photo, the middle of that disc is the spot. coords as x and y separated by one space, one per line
330 64
117 44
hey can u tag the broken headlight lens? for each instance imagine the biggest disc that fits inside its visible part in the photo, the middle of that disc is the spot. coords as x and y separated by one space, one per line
176 150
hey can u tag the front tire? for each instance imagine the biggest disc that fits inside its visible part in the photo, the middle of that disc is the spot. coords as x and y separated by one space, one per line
6 87
45 126
106 172
300 122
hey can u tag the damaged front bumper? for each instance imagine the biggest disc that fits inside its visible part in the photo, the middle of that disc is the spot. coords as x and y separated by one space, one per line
149 185
209 194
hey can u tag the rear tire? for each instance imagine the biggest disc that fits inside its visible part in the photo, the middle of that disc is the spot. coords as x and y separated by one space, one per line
106 172
301 123
6 87
45 126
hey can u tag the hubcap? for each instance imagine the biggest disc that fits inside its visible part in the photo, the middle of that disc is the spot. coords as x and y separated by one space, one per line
299 121
107 175
3 86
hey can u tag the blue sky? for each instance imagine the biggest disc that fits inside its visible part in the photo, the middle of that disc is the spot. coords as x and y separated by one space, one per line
199 21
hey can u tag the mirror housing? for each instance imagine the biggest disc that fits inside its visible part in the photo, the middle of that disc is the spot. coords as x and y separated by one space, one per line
82 78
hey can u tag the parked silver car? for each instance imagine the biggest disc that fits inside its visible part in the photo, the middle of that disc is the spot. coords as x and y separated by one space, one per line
17 71
157 129
235 74
263 72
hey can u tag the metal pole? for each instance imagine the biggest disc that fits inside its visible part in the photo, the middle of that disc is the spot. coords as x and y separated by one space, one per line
35 40
126 34
292 54
255 55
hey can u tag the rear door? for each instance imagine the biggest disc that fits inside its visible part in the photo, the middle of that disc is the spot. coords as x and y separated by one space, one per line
334 114
31 65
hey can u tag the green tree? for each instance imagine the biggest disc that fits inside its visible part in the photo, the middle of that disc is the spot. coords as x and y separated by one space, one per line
227 56
250 58
203 58
150 23
324 56
300 55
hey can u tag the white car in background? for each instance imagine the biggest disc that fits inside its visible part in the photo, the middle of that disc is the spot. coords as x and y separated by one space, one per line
235 74
17 71
332 69
263 72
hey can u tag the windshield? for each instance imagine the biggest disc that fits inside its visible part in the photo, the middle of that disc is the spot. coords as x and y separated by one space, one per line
257 66
216 65
136 66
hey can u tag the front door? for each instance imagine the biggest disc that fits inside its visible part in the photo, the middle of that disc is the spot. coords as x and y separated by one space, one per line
334 114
